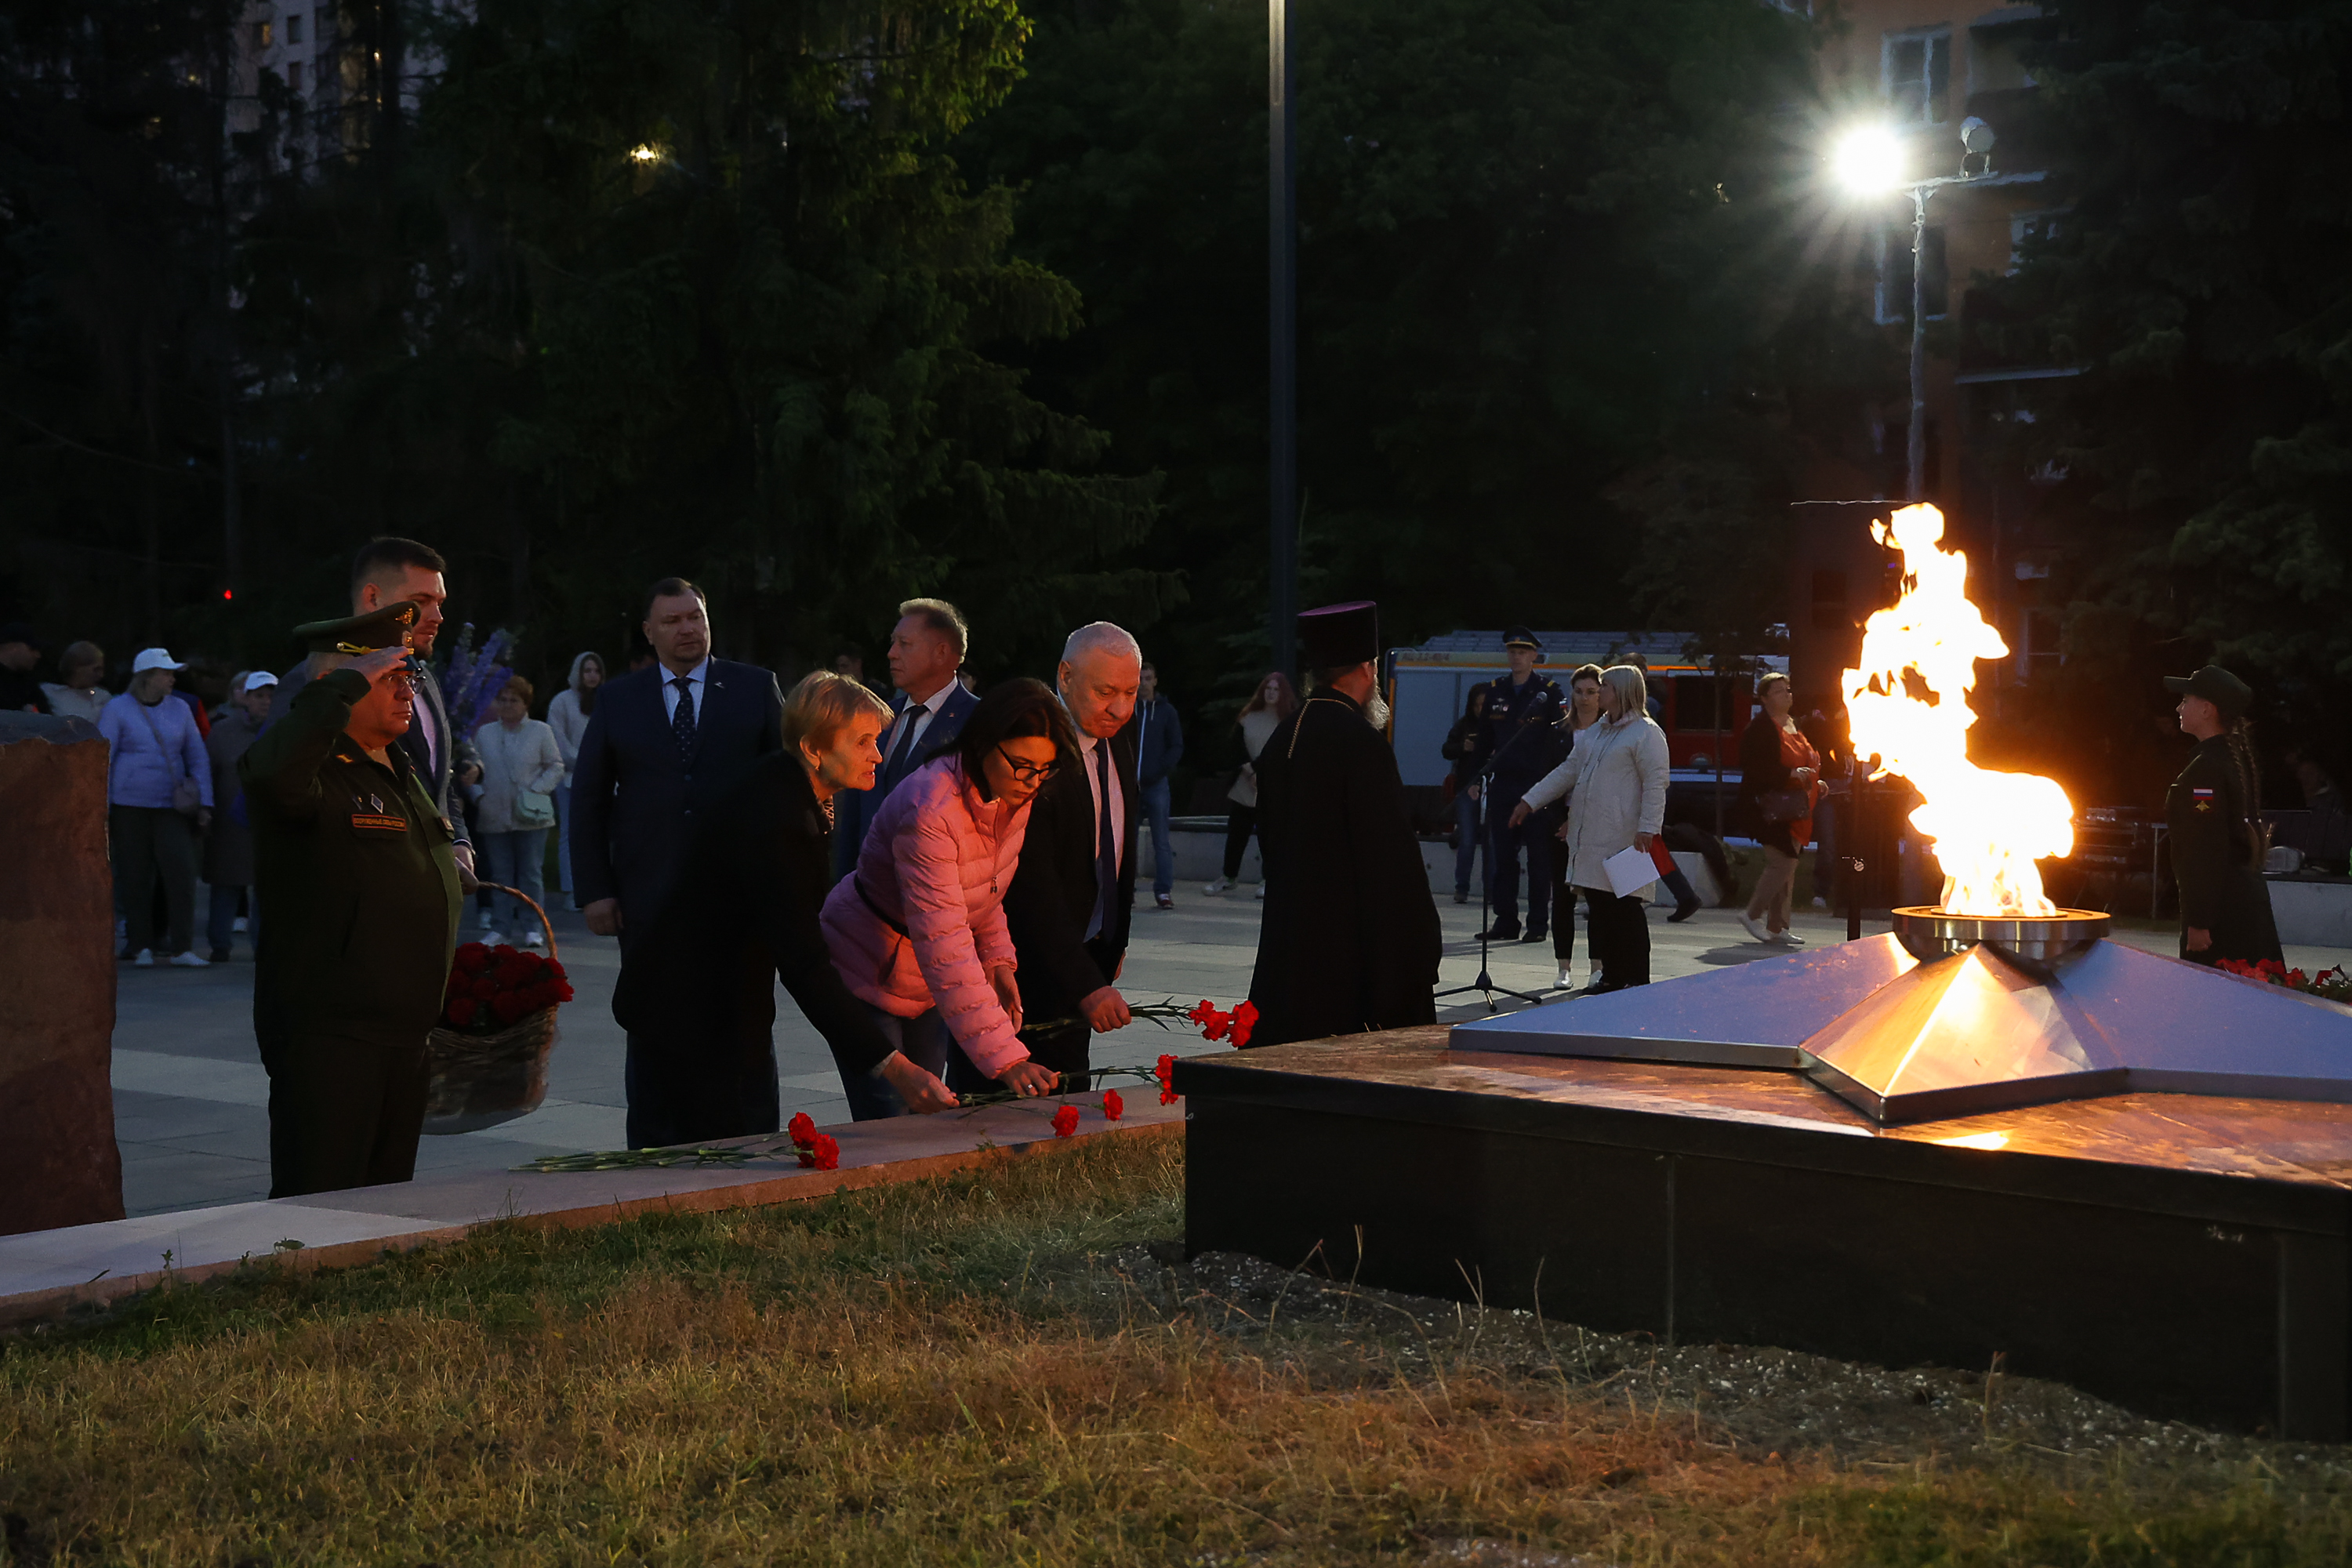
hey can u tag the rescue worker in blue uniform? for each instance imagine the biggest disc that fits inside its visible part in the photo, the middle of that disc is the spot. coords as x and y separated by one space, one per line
1522 708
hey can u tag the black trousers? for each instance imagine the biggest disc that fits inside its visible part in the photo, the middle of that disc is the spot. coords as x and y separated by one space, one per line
1621 935
1503 845
1241 821
691 1092
342 1113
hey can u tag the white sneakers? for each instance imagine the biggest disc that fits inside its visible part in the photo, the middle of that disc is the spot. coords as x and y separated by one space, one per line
485 922
1754 926
1219 886
237 925
146 958
533 939
1261 889
190 960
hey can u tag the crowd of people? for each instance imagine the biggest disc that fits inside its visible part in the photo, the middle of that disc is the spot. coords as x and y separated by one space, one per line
944 881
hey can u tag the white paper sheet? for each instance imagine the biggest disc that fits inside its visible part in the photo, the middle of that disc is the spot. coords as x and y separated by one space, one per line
1630 871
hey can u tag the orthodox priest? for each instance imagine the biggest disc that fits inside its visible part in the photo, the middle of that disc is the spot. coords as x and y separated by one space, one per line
1350 940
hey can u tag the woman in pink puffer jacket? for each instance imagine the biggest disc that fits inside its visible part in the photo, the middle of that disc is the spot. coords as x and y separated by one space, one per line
918 931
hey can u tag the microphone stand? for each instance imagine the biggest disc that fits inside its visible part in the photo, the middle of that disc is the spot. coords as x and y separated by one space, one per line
1485 985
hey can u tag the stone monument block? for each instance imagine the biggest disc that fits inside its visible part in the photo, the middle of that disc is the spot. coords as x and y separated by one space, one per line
59 1162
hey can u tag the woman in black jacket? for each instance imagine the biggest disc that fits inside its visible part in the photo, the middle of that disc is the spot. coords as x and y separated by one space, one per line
1779 779
698 995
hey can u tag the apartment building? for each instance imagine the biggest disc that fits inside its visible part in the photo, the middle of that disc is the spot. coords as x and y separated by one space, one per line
1923 70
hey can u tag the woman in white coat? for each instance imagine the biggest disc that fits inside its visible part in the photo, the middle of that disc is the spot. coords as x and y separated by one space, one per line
521 768
1619 803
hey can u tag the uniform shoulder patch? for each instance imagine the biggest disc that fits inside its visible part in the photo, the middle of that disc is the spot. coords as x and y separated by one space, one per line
371 822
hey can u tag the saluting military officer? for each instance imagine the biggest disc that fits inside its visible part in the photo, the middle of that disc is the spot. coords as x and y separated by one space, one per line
2212 813
355 866
1520 707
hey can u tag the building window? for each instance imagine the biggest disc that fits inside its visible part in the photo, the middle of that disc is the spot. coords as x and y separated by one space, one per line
1895 276
2029 229
261 35
294 74
293 26
1917 72
325 17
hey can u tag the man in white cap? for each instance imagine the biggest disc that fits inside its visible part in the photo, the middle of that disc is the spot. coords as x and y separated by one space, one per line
228 847
158 795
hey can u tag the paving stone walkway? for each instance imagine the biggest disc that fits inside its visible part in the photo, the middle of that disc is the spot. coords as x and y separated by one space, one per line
191 1098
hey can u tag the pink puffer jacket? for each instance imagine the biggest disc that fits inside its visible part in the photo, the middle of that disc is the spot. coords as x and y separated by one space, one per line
938 861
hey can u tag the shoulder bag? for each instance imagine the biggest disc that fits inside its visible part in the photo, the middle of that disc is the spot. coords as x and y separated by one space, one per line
186 799
533 808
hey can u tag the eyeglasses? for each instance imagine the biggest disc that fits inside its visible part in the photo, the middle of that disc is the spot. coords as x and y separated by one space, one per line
1028 772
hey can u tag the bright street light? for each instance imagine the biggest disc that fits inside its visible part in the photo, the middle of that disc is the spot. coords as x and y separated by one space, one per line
645 154
1869 160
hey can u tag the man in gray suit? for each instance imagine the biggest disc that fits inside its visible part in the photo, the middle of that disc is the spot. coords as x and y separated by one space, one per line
391 571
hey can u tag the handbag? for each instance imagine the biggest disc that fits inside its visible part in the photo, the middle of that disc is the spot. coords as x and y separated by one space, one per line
1784 804
186 799
533 808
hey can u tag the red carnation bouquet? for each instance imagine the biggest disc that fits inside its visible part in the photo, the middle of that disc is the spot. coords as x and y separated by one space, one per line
495 988
2333 985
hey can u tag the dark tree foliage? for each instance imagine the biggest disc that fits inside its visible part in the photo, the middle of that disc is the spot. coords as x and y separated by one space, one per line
2198 280
1527 228
113 291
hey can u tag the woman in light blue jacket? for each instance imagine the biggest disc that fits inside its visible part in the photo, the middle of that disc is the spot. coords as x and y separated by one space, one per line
159 794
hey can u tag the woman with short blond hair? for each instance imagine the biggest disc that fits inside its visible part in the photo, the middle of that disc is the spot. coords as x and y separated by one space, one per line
698 993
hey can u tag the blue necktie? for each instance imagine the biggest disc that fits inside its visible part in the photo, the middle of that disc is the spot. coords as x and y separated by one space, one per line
1105 847
681 723
899 753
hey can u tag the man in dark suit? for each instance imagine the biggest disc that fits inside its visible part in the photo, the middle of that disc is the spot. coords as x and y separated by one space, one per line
665 742
926 649
1071 901
391 571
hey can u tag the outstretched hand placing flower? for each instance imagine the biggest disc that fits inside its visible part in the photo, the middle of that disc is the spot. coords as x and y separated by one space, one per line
815 1151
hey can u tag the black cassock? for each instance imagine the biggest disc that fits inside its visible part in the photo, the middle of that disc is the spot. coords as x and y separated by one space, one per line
1350 939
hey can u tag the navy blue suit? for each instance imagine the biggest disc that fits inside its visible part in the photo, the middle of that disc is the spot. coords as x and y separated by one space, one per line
633 799
854 810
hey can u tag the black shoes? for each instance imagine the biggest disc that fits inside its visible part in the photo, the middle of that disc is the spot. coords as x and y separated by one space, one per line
1461 895
220 955
1683 911
1501 931
1535 933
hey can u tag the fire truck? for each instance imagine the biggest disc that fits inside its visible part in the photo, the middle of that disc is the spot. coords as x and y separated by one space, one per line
1430 685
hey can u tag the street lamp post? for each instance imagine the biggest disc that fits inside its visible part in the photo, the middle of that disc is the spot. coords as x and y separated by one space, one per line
1869 161
1282 386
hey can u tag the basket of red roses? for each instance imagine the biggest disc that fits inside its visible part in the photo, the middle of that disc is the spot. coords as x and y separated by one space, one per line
488 1057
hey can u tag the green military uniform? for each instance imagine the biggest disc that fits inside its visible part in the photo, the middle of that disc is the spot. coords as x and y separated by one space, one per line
354 865
2211 824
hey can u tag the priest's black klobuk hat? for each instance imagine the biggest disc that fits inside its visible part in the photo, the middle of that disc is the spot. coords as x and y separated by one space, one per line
387 627
1341 637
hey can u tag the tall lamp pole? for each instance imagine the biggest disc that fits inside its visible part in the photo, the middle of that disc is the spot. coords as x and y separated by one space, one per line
1282 171
1868 162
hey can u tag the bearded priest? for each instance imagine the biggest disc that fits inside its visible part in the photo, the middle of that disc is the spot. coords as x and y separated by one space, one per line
1350 940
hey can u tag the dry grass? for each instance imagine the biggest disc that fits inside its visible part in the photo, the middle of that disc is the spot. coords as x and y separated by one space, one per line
998 1369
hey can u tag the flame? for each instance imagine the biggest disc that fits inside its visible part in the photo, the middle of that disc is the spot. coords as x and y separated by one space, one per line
1908 703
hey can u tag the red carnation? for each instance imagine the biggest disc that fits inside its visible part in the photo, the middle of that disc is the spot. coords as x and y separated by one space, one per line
1201 1013
459 1013
801 1128
1113 1106
472 955
1066 1121
1166 1073
1244 1020
821 1153
1214 1025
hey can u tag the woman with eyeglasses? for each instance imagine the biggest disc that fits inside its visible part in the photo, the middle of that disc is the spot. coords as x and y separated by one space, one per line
917 930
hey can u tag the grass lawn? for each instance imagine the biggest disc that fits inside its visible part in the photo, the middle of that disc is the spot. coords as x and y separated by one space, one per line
1018 1367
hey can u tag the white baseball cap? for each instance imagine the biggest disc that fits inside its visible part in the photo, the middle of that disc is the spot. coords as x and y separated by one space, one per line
259 678
154 658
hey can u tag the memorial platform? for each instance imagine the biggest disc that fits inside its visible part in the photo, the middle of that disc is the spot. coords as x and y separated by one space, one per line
2181 1254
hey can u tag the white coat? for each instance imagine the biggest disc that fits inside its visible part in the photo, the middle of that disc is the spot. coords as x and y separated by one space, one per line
1620 790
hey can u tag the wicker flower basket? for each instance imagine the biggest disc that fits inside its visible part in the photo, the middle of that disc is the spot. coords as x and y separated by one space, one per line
481 1081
